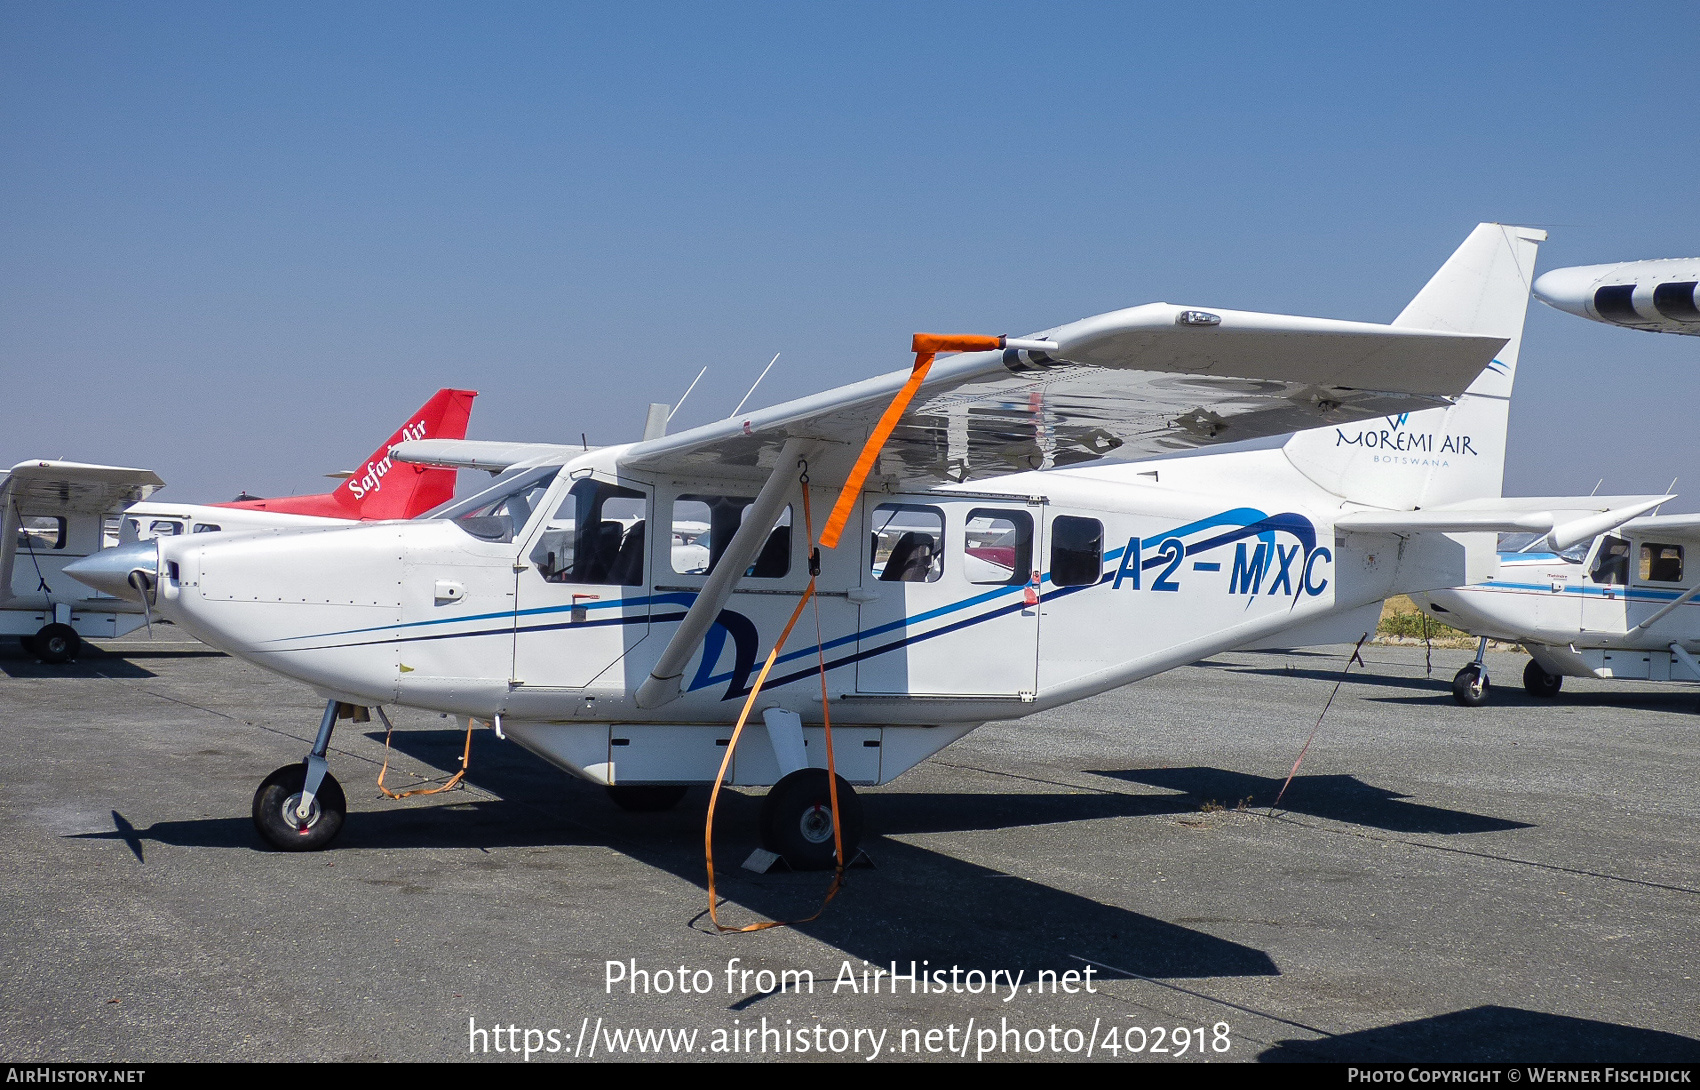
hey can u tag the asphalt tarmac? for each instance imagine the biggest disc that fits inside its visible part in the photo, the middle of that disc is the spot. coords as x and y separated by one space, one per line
1512 882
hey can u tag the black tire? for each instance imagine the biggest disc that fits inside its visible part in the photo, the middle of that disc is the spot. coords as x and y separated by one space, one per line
1540 683
275 802
56 643
648 798
796 820
1470 687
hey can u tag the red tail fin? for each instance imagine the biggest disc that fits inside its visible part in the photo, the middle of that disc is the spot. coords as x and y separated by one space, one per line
380 488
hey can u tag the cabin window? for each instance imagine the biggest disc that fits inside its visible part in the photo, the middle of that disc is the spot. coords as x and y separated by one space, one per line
1661 563
1611 563
39 533
997 546
907 545
703 526
596 536
1617 304
1676 301
1077 551
207 528
500 512
164 527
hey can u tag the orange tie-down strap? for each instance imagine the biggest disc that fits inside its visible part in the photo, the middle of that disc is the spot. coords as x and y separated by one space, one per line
925 346
738 730
465 760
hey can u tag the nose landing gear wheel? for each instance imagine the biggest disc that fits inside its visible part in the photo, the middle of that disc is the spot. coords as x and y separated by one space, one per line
1540 683
1470 687
796 820
647 798
56 643
275 804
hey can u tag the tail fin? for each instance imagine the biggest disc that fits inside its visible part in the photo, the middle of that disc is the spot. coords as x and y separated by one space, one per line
1443 455
382 488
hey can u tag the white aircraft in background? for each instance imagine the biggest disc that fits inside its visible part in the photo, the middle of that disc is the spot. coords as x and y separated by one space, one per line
1622 605
53 514
1653 295
56 514
1047 519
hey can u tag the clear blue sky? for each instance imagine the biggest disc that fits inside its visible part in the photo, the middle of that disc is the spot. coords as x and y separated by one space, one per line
239 242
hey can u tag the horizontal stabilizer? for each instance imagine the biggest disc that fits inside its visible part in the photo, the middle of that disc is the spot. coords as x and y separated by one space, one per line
1565 520
489 454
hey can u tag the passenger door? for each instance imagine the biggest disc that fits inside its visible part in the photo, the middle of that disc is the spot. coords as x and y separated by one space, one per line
949 600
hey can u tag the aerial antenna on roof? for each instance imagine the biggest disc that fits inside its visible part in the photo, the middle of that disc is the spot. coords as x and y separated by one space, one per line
687 393
1597 484
759 377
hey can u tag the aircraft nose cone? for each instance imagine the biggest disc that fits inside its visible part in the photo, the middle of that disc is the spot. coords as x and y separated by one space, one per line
108 571
1569 289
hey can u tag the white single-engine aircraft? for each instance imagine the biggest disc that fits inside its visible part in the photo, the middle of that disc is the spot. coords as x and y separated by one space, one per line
53 514
1039 522
1659 295
1622 605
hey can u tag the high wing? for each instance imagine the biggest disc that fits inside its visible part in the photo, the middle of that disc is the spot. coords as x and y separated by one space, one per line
1137 382
1679 527
75 487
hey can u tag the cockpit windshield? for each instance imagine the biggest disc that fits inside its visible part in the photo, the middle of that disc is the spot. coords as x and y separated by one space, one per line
501 510
1531 544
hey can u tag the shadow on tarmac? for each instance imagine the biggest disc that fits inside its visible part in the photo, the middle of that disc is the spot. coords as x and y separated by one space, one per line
912 900
1336 798
91 661
1438 690
1493 1035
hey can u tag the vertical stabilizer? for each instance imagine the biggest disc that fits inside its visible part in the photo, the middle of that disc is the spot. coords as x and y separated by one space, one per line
1442 455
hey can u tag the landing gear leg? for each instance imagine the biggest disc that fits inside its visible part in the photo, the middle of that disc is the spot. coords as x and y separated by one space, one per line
1470 687
300 807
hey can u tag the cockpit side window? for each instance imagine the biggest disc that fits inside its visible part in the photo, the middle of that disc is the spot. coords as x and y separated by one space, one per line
596 536
500 511
1611 563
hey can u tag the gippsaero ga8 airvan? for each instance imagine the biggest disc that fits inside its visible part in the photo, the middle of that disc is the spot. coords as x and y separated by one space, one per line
1025 523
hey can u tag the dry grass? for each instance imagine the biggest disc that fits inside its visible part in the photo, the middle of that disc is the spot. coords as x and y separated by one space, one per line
1402 621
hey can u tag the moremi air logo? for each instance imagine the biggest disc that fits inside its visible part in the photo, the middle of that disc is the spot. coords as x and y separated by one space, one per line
1396 444
372 480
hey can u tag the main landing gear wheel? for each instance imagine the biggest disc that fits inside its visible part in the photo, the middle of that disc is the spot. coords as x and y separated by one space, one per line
796 820
647 798
275 804
1470 687
55 643
1540 683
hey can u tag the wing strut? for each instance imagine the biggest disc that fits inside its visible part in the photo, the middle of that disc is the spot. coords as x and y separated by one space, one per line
662 684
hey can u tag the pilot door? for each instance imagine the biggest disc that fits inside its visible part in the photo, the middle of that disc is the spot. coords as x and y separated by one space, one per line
580 597
949 597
